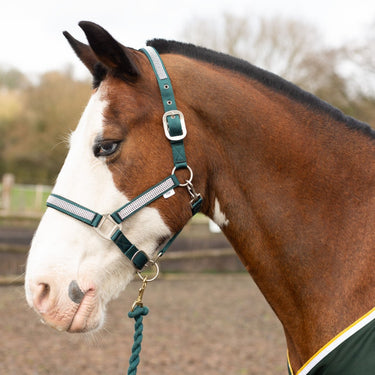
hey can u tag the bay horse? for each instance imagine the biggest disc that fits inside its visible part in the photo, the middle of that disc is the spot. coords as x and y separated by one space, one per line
289 179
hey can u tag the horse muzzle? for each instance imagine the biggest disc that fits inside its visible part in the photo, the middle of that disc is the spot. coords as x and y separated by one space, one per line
76 311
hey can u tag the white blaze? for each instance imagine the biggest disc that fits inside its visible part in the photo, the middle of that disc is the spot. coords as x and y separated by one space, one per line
65 249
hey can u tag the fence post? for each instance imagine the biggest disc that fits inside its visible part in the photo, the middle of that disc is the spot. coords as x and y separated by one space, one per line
38 196
8 183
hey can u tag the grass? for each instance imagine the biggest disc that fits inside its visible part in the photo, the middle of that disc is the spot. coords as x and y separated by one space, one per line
26 199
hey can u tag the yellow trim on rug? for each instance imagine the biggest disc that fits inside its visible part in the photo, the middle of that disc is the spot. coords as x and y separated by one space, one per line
328 344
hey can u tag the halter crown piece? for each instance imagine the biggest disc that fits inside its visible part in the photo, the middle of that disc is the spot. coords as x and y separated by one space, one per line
108 226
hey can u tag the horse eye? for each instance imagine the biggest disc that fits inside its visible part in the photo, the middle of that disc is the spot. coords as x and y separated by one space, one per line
105 148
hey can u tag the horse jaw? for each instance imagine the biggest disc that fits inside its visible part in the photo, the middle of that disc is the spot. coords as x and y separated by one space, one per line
65 250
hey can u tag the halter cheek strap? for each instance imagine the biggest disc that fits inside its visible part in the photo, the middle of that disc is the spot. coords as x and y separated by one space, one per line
108 226
173 119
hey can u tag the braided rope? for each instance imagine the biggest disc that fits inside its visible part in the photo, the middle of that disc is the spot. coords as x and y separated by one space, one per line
137 314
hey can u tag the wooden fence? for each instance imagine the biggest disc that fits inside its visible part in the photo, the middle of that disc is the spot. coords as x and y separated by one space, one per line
201 247
23 200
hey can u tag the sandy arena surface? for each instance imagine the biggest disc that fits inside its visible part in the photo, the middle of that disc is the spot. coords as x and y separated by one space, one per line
198 324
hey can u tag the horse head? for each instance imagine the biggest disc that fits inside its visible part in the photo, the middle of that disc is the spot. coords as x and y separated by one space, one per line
117 152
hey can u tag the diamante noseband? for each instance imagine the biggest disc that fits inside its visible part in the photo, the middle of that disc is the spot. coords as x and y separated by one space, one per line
108 226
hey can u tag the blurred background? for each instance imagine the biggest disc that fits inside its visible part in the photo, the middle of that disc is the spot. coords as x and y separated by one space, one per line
326 47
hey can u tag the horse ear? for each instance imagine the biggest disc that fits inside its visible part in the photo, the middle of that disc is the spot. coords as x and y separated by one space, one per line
108 51
83 51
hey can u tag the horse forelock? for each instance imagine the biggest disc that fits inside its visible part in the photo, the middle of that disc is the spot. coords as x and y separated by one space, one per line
99 74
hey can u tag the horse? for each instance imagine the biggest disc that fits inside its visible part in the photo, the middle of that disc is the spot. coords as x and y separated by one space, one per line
289 179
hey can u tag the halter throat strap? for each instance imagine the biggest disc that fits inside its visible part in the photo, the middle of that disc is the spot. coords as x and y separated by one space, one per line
108 226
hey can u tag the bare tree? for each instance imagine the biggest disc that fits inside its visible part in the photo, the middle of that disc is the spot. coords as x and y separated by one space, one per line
276 44
295 50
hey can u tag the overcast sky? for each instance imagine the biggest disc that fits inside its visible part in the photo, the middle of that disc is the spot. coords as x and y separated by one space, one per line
31 39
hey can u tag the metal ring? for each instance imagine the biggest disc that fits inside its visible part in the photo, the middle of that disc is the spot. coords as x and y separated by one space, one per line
153 277
187 181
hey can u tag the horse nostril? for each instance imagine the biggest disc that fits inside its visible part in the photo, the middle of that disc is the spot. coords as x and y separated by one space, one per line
75 293
45 289
41 296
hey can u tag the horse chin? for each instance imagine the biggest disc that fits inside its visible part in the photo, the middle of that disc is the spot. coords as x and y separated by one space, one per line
89 315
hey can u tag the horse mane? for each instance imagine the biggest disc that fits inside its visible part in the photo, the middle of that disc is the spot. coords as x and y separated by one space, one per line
269 79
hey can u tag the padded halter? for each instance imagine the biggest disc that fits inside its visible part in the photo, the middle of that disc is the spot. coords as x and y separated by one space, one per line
108 226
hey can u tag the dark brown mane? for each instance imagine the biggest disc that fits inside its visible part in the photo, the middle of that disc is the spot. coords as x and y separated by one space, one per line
267 78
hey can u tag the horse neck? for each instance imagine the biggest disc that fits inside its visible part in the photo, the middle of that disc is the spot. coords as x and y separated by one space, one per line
296 187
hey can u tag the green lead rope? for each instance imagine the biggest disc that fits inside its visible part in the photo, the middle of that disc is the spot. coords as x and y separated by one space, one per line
137 314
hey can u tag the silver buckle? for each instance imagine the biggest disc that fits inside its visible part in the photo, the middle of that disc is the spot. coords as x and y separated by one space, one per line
107 227
166 127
